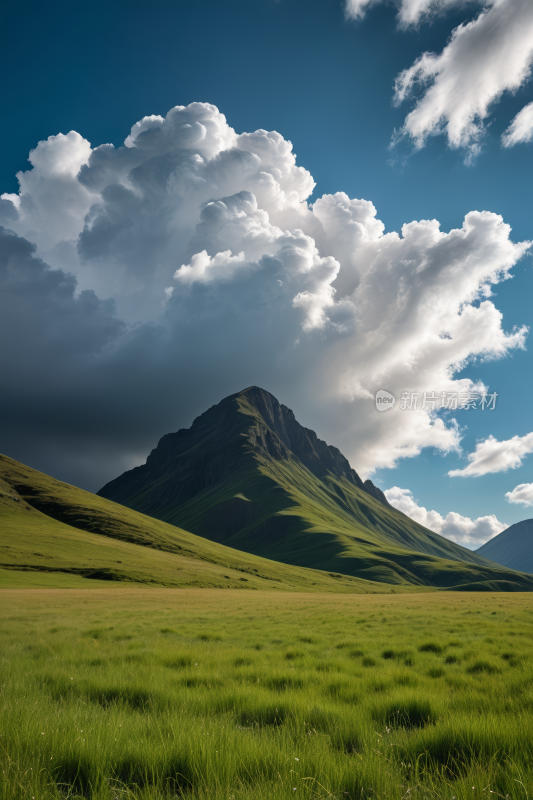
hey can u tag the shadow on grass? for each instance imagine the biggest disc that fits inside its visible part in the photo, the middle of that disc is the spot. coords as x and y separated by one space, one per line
173 776
263 716
129 696
408 715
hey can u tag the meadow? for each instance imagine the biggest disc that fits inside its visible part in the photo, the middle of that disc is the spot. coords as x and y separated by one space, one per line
231 695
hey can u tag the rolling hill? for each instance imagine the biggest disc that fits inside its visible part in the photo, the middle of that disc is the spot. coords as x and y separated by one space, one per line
248 475
512 548
55 535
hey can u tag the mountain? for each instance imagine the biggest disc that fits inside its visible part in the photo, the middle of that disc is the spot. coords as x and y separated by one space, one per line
246 474
53 534
513 547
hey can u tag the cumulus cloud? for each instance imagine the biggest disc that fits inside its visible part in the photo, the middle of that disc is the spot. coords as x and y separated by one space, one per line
491 456
521 128
468 532
192 264
458 88
521 494
51 201
204 268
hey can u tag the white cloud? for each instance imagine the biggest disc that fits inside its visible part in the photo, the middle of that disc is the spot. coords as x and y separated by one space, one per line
491 456
468 532
520 129
218 264
356 9
52 203
521 494
410 12
203 268
144 124
198 127
414 11
483 59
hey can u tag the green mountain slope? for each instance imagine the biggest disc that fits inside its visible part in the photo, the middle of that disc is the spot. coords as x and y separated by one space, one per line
512 548
47 526
248 475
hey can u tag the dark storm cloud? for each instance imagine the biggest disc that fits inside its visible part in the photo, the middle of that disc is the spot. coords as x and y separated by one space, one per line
84 395
69 325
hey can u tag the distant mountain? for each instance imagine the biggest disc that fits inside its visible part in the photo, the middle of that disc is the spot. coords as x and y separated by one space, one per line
512 548
246 474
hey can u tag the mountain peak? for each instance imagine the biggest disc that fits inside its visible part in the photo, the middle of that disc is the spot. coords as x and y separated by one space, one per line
214 444
248 475
314 453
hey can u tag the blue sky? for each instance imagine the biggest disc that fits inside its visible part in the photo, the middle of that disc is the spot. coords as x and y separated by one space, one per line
324 82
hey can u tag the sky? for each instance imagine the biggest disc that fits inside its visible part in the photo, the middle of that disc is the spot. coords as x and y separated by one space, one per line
324 198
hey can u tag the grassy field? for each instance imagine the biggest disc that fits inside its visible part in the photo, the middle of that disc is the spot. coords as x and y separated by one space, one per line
231 695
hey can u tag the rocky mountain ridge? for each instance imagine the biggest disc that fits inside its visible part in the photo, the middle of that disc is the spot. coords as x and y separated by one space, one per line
280 438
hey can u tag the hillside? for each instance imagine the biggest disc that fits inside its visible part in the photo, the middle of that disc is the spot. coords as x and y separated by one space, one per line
512 548
248 475
71 537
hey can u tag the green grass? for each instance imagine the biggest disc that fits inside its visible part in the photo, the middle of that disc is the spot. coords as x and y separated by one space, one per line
224 695
26 579
49 528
